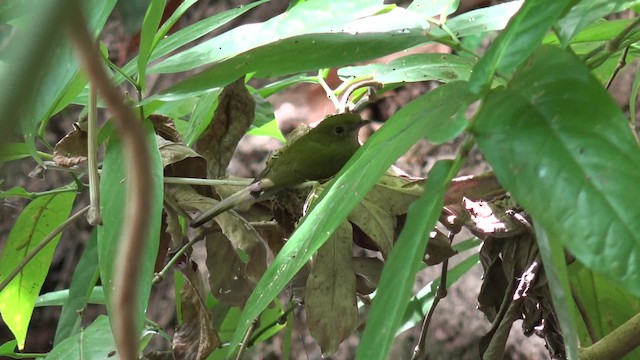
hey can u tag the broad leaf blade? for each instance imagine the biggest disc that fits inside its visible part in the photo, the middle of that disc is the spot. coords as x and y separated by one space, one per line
276 54
584 13
113 191
570 159
523 34
399 272
94 342
37 220
83 281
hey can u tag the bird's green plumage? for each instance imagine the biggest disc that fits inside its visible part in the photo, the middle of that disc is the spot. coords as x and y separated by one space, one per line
310 154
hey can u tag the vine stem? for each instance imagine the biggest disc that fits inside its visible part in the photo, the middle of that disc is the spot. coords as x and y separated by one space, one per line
139 200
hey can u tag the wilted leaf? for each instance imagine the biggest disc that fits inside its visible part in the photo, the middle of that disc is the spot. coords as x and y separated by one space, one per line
376 222
367 272
180 160
233 117
72 149
227 277
165 127
195 338
237 230
474 187
332 313
438 248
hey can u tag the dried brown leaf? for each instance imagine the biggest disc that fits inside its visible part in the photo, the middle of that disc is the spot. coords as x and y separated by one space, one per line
233 117
332 313
376 222
180 160
438 248
475 187
195 338
227 276
71 149
239 233
368 271
165 127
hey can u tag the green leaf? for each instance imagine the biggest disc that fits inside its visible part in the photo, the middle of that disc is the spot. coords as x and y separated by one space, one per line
147 36
14 151
585 12
570 159
479 21
58 68
417 67
82 286
8 348
555 266
420 304
202 116
186 35
59 297
277 48
514 45
403 129
37 220
602 30
430 8
399 272
608 306
114 192
94 342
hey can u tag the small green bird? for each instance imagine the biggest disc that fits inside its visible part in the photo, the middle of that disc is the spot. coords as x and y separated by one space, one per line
310 154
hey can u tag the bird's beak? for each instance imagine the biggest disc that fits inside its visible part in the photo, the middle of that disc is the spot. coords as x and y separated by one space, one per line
361 124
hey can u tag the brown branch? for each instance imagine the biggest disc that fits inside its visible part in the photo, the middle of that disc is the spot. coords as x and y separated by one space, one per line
135 228
616 344
584 314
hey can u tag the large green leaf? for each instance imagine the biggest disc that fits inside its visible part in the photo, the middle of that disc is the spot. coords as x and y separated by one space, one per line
94 342
479 21
113 192
37 220
399 272
514 45
608 306
407 126
58 68
416 67
585 12
282 47
82 285
562 147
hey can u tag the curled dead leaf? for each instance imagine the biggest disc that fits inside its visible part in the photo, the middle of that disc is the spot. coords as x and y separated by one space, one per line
72 148
195 338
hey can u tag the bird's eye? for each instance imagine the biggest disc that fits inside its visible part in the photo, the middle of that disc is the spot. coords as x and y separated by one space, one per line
338 129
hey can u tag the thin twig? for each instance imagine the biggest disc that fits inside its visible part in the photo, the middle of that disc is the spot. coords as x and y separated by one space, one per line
330 94
41 246
441 293
137 219
282 319
160 275
93 216
622 62
245 341
584 314
206 182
